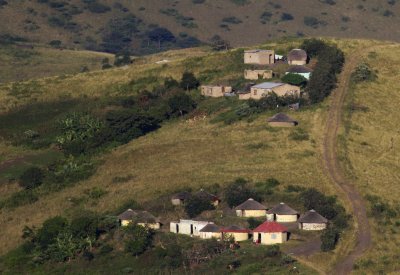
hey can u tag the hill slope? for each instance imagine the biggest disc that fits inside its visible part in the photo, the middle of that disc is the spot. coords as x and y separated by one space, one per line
115 25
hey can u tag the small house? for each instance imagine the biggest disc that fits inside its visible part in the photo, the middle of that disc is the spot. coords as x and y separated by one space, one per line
300 70
282 213
187 227
257 74
282 120
180 198
259 57
312 220
237 233
215 90
214 200
266 88
138 217
269 233
297 57
210 231
251 208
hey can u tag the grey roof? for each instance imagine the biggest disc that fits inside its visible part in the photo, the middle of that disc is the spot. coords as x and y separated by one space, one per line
268 85
282 209
210 228
297 54
251 204
256 51
312 217
299 69
181 196
281 117
138 216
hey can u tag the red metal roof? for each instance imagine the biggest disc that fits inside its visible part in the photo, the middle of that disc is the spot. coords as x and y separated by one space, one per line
270 227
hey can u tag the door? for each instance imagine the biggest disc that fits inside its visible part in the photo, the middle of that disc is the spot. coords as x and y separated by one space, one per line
259 238
177 228
191 229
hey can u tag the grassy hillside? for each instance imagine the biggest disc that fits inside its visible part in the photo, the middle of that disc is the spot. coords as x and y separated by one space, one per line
371 145
105 24
193 151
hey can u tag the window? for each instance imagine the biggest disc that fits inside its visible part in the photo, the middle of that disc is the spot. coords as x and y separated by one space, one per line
255 92
273 236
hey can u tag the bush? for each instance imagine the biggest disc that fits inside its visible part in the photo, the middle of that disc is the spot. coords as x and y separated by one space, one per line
194 206
362 73
31 178
189 81
329 239
181 104
237 192
139 238
20 198
50 229
122 59
105 249
253 222
294 79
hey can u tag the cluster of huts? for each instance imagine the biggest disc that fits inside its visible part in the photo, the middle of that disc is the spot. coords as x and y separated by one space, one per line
264 62
271 231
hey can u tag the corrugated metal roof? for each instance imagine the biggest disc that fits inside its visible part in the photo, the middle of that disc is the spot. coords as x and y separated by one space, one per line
270 227
268 85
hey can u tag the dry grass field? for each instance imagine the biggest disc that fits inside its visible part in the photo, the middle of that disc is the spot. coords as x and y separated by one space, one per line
199 153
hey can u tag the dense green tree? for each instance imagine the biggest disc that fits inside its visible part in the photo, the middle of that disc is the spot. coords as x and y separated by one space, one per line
219 44
294 79
195 205
139 238
329 239
189 81
50 230
31 178
237 192
181 104
253 222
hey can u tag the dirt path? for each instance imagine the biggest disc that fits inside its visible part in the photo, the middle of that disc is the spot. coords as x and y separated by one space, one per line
333 169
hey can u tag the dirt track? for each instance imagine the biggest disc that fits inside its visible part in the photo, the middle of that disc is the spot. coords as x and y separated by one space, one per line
333 169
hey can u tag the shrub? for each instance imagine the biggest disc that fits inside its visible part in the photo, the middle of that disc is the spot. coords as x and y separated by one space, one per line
218 44
31 178
189 81
139 238
362 73
55 43
122 59
294 79
313 22
20 198
195 205
96 7
237 192
329 239
105 249
286 17
181 104
50 229
253 222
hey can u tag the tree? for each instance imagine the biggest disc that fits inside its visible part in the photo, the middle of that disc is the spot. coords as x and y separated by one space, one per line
31 178
329 239
253 222
181 103
238 192
50 230
189 81
218 44
139 238
161 35
195 205
294 79
122 59
313 46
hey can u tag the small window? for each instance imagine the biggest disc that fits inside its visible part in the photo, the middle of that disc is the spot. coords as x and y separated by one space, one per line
255 92
273 236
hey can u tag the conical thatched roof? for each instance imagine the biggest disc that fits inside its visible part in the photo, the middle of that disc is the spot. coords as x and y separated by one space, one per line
251 204
299 69
282 209
297 55
181 196
210 228
235 229
207 196
281 117
312 217
138 216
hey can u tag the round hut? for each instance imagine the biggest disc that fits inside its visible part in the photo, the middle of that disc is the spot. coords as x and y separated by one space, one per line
282 120
297 57
312 220
251 208
282 213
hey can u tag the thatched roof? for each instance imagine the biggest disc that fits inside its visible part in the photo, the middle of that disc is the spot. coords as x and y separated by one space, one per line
281 117
297 54
282 209
312 217
210 228
138 216
251 204
207 196
299 69
181 196
235 229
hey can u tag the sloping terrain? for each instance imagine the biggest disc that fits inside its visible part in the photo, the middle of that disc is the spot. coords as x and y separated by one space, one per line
115 25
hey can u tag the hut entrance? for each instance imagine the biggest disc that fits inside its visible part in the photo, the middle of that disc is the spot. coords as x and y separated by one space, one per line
259 238
177 228
191 229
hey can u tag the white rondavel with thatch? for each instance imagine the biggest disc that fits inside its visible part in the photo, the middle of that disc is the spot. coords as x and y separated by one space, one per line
312 220
282 213
139 217
251 208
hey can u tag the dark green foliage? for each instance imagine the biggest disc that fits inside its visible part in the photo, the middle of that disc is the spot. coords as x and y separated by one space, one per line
181 104
231 20
189 81
160 35
55 43
219 44
19 198
85 226
286 17
329 239
313 22
330 63
238 192
253 222
294 79
265 17
125 125
380 209
50 229
198 1
122 59
31 178
196 205
96 7
171 256
139 238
